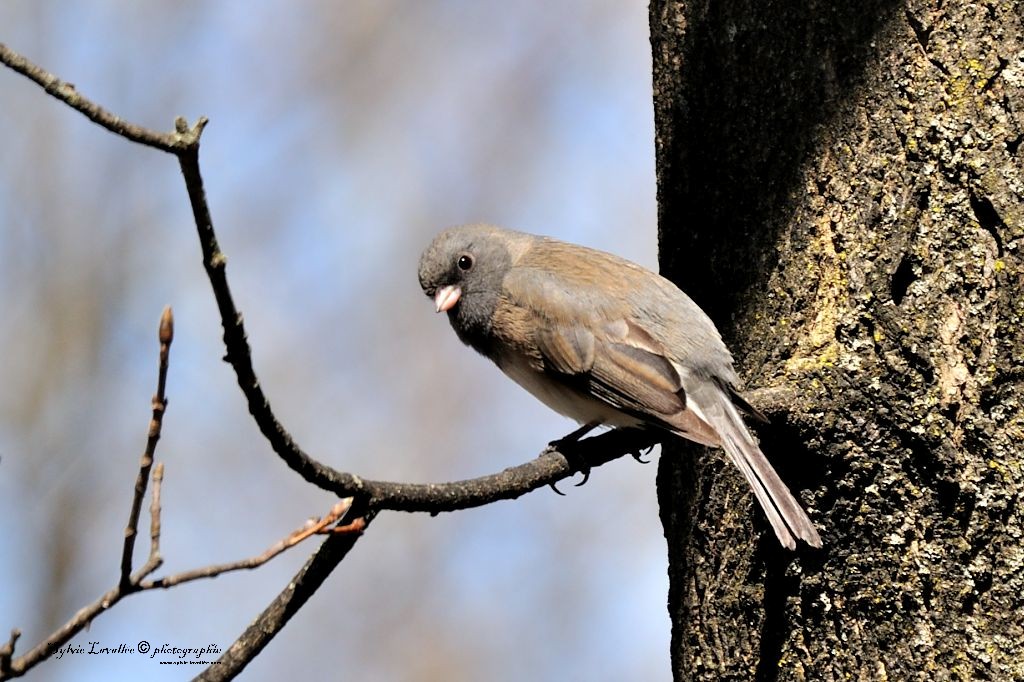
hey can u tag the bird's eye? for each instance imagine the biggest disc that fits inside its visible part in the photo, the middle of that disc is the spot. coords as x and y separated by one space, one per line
465 262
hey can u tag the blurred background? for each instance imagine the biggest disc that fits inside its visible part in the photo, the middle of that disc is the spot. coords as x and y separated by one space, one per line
342 137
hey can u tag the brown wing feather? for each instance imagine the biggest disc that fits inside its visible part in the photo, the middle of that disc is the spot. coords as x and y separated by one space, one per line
625 376
595 344
565 349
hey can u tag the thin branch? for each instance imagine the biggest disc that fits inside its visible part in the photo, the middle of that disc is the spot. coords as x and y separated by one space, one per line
555 463
312 528
84 617
166 336
239 355
127 583
66 92
154 561
277 614
133 583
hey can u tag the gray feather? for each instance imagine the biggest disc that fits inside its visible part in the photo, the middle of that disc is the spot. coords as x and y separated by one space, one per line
786 516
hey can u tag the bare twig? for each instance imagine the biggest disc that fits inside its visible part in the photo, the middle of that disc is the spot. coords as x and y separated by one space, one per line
132 583
239 354
312 528
154 561
127 583
166 336
17 667
66 92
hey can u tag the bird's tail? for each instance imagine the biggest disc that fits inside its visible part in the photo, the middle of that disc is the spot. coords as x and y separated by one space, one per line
786 516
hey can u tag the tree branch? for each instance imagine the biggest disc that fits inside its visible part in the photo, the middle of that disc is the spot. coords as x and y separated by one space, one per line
130 583
277 614
552 465
66 92
127 583
239 355
549 467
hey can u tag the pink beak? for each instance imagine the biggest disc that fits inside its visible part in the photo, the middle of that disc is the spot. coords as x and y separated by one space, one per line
446 297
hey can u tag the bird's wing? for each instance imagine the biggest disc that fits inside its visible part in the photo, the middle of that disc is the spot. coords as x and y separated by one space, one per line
593 344
585 336
627 376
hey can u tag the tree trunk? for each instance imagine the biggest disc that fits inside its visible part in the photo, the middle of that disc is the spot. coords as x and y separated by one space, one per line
840 188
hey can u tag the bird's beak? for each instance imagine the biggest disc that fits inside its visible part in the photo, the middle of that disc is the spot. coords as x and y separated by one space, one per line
446 297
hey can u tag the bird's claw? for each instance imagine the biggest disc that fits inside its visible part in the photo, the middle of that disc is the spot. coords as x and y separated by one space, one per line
639 454
567 447
586 477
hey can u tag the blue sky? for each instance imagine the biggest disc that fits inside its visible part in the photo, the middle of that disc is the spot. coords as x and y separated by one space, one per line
342 137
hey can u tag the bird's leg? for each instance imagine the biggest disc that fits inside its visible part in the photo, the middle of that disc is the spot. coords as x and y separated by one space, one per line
577 434
566 445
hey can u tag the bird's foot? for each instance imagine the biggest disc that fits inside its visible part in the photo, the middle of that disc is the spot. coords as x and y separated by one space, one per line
568 447
639 454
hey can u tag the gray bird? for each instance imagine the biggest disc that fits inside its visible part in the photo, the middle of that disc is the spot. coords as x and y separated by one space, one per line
603 341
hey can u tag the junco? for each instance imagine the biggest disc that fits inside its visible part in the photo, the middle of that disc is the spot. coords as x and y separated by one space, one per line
603 341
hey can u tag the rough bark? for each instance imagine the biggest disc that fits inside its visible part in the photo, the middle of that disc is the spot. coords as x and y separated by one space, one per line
840 187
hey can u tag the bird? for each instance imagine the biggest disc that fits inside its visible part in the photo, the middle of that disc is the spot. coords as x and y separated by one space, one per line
604 341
